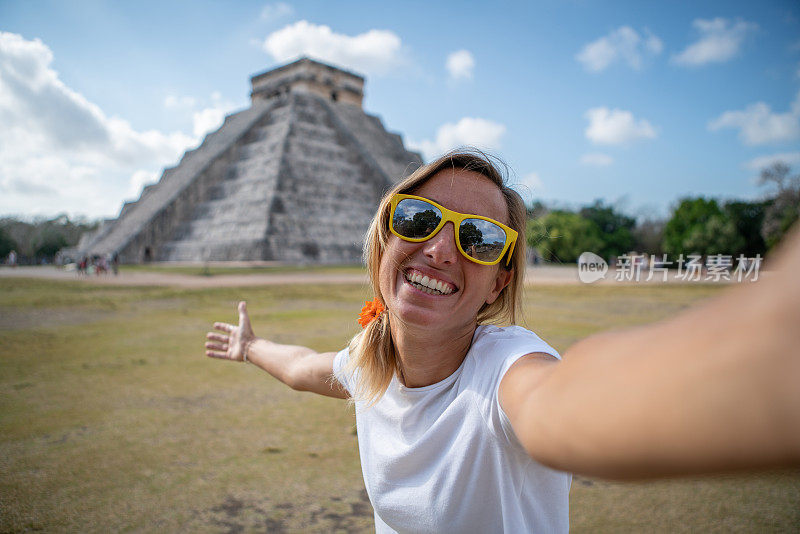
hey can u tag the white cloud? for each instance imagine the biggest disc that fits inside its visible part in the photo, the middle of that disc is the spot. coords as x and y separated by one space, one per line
460 65
211 117
374 51
758 125
206 119
469 131
762 162
653 44
276 11
616 127
58 151
720 41
596 159
175 101
623 44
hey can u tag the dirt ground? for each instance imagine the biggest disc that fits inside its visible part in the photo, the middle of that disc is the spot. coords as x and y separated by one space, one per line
155 278
113 419
534 275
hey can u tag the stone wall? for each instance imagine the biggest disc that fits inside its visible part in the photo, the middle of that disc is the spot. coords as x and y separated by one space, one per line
326 194
309 76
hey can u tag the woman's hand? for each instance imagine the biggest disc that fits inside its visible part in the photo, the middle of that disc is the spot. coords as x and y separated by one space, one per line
234 341
300 368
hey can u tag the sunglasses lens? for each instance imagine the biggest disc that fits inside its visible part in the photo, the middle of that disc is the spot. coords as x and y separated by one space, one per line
415 219
481 240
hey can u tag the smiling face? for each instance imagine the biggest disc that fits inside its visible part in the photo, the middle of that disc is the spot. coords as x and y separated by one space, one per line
431 284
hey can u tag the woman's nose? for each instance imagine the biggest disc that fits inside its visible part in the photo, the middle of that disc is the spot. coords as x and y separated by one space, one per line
442 248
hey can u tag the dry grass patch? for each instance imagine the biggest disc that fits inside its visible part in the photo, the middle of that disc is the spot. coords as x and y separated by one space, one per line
112 419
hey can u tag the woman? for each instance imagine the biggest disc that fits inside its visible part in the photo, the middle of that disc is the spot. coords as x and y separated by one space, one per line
457 420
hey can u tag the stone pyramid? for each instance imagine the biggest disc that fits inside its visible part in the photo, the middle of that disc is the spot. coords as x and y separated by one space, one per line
294 178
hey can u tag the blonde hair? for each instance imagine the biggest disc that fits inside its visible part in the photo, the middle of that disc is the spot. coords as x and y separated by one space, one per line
373 358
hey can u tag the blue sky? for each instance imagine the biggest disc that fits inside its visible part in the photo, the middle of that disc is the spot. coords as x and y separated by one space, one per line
637 103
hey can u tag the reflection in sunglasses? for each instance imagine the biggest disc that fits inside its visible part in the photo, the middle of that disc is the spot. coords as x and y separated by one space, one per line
479 239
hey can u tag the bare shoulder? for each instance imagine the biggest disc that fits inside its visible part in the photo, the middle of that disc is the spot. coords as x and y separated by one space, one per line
531 361
524 375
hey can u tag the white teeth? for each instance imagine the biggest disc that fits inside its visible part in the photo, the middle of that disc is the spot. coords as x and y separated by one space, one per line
429 285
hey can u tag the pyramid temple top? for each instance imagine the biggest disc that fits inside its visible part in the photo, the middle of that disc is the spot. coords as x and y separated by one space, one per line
308 76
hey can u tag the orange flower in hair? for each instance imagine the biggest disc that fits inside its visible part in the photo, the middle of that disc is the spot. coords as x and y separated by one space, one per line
371 310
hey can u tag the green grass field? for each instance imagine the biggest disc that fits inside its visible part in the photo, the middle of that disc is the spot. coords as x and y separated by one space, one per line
111 417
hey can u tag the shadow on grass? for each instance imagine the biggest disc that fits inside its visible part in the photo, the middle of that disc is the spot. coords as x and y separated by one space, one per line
351 514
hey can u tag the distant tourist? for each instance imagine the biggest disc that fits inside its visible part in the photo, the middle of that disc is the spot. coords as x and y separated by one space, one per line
464 426
101 266
12 258
115 263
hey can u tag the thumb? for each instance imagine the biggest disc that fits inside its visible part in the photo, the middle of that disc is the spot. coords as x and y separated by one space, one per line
244 318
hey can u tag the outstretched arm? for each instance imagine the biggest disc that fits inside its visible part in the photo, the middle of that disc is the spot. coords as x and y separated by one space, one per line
714 389
298 367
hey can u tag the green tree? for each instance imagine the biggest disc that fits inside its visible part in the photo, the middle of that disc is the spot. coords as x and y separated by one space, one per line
748 218
784 209
424 222
28 236
536 210
469 235
699 226
717 236
6 245
648 236
48 244
616 229
562 236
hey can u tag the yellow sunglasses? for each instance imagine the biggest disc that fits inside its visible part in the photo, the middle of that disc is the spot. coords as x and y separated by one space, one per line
479 239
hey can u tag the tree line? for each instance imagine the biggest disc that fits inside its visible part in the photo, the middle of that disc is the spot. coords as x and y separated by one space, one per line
697 225
39 240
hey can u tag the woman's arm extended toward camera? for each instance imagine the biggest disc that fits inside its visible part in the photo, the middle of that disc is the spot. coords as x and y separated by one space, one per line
298 367
714 389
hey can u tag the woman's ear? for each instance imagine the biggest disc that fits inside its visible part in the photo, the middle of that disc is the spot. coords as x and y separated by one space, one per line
501 280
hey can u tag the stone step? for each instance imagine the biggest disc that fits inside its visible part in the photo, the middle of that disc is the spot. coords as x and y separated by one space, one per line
315 132
196 231
312 165
229 209
386 148
267 133
252 168
306 149
210 250
245 185
136 218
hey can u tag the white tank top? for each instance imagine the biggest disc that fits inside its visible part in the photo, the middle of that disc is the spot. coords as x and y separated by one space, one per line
444 458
